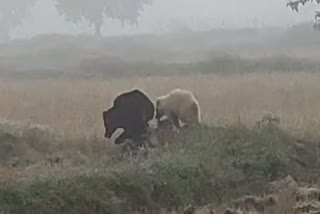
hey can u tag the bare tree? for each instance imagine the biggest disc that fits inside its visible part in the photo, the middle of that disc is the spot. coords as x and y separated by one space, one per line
95 11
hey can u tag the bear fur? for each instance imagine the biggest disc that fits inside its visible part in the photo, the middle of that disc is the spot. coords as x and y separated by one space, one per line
131 111
178 105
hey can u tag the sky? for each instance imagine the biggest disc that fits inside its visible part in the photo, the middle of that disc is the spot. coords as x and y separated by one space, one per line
169 15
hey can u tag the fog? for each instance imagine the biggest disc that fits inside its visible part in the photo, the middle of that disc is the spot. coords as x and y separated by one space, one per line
173 15
253 66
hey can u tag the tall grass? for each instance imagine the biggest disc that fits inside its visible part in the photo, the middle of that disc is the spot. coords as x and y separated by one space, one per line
73 107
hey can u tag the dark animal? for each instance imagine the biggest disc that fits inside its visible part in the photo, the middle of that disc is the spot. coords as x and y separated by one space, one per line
131 111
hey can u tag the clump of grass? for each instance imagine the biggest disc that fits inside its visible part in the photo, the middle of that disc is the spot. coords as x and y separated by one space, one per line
203 164
36 136
25 142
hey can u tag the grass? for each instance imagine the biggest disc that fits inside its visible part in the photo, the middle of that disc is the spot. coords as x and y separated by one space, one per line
53 158
204 165
73 107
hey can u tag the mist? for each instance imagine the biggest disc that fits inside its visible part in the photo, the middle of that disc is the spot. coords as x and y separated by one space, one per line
172 15
90 121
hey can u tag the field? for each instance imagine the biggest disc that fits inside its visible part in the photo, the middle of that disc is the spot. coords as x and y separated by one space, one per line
74 107
54 88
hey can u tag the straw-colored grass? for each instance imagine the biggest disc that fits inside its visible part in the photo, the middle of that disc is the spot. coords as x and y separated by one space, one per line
74 107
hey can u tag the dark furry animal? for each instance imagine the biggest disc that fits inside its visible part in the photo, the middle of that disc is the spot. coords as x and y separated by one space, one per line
131 111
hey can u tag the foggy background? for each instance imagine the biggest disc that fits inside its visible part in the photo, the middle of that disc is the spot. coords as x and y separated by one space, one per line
172 15
52 44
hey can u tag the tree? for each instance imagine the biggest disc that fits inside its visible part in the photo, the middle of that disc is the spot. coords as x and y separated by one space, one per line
295 4
95 11
126 10
12 14
77 10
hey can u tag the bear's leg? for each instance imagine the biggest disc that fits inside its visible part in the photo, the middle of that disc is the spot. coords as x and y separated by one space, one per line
175 119
120 139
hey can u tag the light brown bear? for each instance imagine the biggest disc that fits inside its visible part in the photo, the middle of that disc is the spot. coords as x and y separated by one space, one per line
178 105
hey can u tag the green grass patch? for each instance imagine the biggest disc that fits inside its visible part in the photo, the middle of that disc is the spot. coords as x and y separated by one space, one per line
204 164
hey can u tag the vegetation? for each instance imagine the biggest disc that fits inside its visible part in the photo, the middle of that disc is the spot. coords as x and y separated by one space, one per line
203 165
67 166
295 4
13 12
96 11
160 55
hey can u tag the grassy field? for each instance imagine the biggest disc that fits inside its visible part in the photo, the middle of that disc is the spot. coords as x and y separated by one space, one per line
53 156
73 107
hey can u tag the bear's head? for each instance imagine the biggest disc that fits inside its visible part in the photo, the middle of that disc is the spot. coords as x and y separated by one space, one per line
112 121
159 108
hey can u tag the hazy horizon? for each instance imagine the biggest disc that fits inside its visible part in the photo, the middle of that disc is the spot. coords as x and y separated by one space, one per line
166 16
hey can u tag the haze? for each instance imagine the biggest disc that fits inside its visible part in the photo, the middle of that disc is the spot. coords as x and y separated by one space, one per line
250 128
173 15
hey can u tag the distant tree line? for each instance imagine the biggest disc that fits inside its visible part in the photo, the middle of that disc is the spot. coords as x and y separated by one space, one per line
13 12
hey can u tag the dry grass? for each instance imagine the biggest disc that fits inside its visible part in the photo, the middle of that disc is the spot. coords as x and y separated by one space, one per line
74 107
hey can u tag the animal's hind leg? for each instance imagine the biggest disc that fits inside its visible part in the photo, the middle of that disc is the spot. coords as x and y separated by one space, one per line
120 139
175 119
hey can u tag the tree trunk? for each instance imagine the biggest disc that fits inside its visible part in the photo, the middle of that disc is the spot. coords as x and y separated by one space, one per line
97 28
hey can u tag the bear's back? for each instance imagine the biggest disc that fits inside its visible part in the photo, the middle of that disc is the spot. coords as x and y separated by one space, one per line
134 99
179 98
